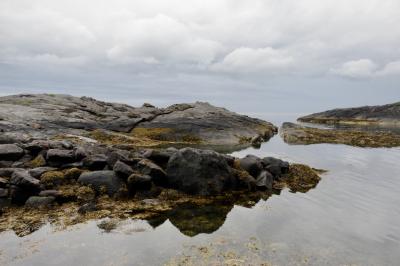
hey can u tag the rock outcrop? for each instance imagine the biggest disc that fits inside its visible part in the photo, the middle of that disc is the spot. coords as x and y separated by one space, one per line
383 114
42 116
302 135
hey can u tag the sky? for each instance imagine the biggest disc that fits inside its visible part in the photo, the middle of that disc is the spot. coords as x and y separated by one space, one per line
255 56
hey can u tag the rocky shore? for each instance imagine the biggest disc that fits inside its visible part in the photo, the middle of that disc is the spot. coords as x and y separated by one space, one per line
388 114
302 135
65 160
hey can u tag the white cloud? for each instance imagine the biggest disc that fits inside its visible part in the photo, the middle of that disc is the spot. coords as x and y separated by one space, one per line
366 68
309 37
362 68
248 60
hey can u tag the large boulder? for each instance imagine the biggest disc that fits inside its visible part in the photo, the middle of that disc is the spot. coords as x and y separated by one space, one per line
100 180
200 172
10 152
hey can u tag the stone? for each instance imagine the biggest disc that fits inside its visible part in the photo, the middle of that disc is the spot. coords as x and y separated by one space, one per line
100 180
3 182
80 153
95 162
157 174
24 179
57 157
115 156
50 193
275 166
7 172
199 172
36 202
252 164
39 171
139 182
10 152
123 170
3 193
87 207
264 180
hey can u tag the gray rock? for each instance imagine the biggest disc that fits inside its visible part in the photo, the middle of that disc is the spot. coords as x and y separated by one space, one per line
275 166
158 175
139 182
80 153
115 156
36 202
123 170
264 180
95 162
200 172
7 172
382 114
252 164
24 179
3 182
39 171
58 157
10 152
50 193
3 193
99 179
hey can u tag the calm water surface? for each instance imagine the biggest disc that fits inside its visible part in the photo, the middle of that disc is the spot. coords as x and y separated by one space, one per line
351 218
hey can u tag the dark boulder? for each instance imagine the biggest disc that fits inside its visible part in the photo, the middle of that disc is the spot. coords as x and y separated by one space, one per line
160 157
123 170
36 202
95 162
24 179
139 182
80 153
10 152
252 164
275 166
157 174
56 157
100 180
200 172
3 193
115 156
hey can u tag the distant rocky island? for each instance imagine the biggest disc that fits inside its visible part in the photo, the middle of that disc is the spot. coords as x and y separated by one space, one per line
357 134
65 159
382 114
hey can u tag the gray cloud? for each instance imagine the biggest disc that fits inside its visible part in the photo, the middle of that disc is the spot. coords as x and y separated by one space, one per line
168 47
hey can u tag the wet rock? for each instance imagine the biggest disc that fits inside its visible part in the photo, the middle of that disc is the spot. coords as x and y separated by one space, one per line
56 157
100 180
3 193
157 174
39 171
139 182
264 180
123 170
7 172
115 156
36 202
80 153
275 166
10 152
252 164
160 157
3 182
200 172
95 162
24 179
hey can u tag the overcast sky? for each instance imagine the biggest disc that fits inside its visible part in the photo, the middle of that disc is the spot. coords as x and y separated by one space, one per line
254 56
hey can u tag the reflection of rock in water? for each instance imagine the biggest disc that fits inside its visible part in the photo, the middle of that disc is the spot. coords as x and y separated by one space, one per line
193 219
